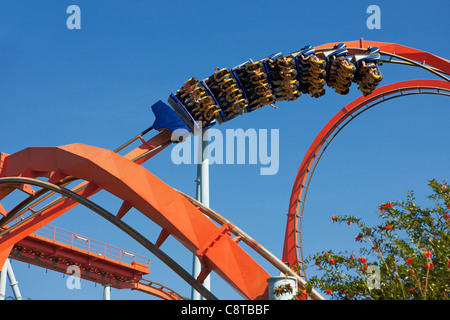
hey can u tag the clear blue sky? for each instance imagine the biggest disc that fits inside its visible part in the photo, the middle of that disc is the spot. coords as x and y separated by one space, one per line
96 85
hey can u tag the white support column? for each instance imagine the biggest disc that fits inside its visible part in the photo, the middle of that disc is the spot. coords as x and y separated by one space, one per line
7 271
3 282
202 195
106 292
12 280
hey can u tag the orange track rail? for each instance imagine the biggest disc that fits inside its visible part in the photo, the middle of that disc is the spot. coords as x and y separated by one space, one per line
293 241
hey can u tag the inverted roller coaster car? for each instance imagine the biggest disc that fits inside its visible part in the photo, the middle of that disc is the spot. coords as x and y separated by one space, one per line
255 81
166 118
311 71
340 70
194 125
228 93
367 74
283 74
196 105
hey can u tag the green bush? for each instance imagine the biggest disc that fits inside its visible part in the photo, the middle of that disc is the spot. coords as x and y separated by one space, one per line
406 256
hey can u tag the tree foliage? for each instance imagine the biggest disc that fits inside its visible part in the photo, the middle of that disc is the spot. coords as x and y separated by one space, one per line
405 256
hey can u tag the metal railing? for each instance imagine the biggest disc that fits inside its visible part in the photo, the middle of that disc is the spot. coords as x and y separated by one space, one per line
93 246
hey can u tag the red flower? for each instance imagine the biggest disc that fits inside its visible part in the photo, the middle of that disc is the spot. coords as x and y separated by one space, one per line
448 263
349 222
329 291
388 227
333 218
362 260
304 293
446 216
428 254
412 290
358 238
409 261
331 261
385 205
429 265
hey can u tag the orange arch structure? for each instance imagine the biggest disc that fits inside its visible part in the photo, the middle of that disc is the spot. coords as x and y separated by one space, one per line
138 188
177 214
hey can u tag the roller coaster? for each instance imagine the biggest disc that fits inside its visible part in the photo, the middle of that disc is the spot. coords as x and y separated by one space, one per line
197 105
